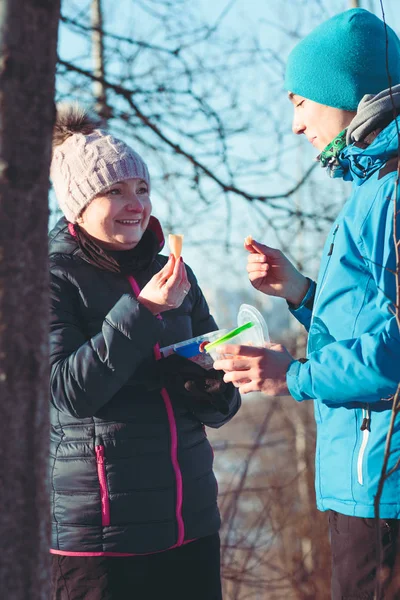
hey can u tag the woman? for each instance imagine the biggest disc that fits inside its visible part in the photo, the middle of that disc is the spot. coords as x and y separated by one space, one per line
134 497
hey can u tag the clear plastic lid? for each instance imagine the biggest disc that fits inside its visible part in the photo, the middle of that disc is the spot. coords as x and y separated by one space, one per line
250 313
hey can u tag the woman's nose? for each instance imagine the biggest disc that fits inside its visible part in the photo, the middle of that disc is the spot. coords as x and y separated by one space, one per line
134 204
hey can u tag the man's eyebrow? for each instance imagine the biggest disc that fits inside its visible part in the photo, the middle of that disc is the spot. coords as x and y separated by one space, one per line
291 96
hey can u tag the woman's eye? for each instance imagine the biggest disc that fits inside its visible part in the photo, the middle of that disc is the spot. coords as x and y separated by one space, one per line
142 190
114 191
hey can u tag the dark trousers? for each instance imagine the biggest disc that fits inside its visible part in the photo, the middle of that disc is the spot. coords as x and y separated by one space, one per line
354 544
191 572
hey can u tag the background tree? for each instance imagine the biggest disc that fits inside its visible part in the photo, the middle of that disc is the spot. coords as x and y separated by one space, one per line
28 36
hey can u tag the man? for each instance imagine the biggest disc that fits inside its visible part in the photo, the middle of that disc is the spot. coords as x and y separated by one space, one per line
338 79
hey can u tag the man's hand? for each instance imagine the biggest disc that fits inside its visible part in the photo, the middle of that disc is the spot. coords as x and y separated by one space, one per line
272 273
254 369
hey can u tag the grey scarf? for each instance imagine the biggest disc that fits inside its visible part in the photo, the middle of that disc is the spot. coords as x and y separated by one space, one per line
371 112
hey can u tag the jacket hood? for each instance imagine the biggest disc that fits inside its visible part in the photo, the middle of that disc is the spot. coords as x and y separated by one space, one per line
374 111
359 161
62 242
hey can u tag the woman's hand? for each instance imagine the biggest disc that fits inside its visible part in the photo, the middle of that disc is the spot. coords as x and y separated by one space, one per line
273 274
167 289
254 369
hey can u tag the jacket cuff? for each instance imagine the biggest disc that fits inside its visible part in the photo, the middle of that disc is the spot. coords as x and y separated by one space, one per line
303 311
296 374
308 300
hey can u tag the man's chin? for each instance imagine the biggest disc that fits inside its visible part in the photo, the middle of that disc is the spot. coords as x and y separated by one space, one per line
314 142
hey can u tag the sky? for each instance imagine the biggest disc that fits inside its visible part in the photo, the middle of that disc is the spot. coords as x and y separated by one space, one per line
213 249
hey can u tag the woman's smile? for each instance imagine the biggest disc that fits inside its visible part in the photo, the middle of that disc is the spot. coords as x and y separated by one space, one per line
128 222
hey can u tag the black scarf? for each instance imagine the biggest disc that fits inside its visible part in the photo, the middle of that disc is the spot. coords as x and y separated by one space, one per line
125 262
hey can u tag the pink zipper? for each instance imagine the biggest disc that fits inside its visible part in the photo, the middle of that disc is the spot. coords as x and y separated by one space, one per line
174 456
105 500
174 437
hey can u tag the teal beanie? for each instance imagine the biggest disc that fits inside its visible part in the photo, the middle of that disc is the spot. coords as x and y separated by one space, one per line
343 59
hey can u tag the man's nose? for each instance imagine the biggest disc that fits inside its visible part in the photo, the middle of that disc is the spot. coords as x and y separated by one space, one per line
297 127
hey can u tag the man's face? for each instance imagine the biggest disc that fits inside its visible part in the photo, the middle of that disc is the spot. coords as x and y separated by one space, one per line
319 123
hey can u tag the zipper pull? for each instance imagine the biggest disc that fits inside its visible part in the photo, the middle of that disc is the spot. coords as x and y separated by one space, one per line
365 424
99 454
333 241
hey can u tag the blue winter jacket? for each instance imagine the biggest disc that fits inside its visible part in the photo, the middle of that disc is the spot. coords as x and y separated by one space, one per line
353 366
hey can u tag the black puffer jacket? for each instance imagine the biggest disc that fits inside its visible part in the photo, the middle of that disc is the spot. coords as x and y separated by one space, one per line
131 467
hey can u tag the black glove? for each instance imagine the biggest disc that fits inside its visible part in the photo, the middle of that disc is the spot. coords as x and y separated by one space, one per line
182 376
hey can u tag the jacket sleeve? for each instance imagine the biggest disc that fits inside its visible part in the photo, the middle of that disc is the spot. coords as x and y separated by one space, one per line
87 373
203 322
364 368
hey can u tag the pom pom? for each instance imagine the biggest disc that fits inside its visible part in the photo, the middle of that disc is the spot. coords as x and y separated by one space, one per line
70 119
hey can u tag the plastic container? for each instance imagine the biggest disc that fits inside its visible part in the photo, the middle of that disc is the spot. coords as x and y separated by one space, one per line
252 330
193 349
260 334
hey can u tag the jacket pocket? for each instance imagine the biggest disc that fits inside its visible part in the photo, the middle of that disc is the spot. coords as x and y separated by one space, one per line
365 428
104 497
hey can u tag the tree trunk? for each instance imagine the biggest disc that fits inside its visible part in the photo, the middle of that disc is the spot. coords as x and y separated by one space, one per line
99 89
28 38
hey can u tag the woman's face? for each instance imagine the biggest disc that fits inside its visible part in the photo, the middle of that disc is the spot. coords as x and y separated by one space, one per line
118 217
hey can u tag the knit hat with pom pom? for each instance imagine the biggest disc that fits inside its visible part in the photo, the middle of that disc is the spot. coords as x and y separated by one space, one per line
88 160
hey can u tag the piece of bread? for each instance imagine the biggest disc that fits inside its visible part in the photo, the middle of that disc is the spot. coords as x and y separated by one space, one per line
248 240
175 241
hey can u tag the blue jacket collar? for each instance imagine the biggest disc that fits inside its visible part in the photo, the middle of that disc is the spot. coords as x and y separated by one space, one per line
359 161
